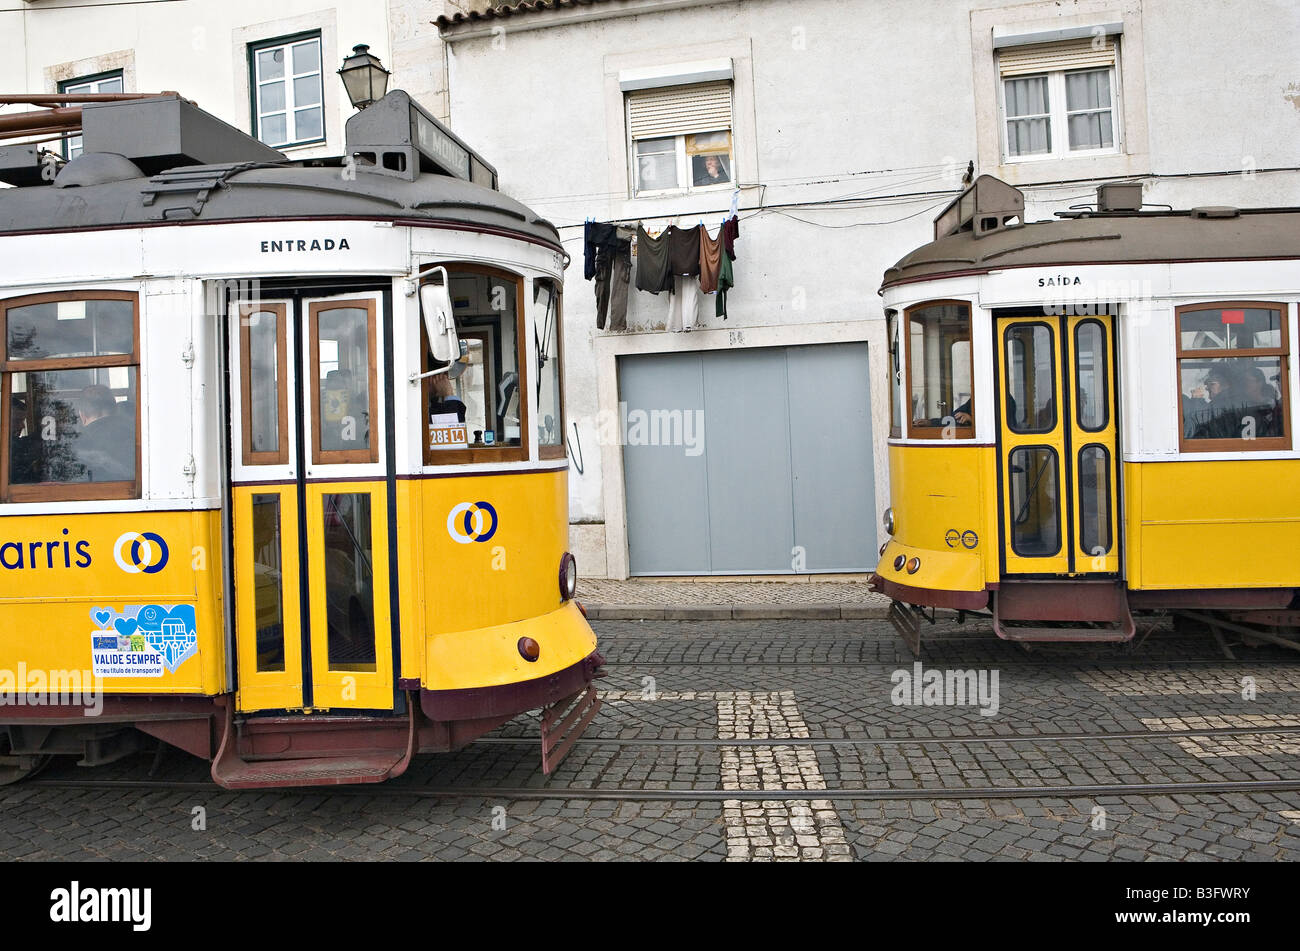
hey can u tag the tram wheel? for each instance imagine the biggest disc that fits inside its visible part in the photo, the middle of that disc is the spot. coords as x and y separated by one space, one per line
14 769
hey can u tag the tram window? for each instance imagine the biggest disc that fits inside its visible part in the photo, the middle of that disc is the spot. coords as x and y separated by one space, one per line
1232 376
490 387
895 375
1035 513
1094 500
70 389
1091 396
546 335
263 360
343 384
1030 378
939 371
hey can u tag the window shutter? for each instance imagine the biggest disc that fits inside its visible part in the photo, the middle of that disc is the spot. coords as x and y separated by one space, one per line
679 110
1045 57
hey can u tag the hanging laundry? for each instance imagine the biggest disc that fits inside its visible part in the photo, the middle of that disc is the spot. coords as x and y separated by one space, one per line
613 271
730 232
653 273
725 282
595 234
710 261
684 307
684 250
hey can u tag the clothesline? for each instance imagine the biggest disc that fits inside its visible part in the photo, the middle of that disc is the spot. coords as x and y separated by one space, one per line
686 262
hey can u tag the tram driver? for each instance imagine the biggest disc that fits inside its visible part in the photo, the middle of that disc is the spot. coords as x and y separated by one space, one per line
106 443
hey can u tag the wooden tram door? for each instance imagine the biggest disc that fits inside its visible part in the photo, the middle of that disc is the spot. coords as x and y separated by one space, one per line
310 505
1057 445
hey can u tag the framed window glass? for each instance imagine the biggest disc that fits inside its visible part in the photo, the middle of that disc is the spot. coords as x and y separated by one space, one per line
1233 378
104 83
550 395
69 384
939 371
287 91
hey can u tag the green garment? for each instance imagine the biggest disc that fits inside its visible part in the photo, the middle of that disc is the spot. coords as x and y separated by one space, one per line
725 282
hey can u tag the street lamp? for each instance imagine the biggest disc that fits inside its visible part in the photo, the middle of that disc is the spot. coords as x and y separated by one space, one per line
364 77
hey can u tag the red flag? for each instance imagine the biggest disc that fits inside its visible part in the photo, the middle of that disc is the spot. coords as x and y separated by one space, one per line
1234 316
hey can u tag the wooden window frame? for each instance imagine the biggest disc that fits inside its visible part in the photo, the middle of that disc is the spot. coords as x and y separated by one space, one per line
558 451
480 454
1282 352
279 456
893 348
67 491
326 457
936 432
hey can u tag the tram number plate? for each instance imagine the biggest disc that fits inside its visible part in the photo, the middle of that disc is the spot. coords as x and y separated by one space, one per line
448 437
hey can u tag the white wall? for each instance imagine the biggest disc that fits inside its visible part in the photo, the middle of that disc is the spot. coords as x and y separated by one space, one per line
847 101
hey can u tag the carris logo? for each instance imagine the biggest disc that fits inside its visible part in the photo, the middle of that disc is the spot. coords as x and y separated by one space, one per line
466 522
140 552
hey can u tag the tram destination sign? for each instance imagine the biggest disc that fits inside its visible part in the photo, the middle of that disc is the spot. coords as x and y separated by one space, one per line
438 145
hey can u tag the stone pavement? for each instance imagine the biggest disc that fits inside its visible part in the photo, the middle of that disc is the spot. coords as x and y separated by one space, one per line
808 597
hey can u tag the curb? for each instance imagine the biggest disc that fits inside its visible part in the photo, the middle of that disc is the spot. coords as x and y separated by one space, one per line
736 612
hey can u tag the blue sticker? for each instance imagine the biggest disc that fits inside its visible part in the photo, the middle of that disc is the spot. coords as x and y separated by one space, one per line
143 640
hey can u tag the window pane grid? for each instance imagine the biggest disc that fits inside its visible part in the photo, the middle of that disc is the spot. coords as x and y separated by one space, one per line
1059 114
289 93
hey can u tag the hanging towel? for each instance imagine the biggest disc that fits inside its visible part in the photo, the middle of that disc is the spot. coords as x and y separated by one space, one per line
652 270
710 261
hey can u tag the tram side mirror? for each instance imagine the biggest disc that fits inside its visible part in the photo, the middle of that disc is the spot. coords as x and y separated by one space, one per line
439 320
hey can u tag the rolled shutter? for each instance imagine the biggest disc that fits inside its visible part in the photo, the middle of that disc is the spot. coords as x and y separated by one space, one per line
679 110
1045 57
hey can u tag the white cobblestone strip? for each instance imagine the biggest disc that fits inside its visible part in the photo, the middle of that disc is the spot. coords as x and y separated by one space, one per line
774 830
1291 815
1212 747
1123 683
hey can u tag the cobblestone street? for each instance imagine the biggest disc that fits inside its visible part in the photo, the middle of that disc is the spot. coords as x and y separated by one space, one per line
706 723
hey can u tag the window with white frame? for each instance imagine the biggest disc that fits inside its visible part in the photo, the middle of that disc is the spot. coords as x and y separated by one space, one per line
103 83
680 138
1060 99
287 90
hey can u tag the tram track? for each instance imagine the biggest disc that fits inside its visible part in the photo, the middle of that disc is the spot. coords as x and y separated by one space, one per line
397 789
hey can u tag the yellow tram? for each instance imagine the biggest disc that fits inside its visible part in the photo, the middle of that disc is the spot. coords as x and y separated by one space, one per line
282 475
1092 418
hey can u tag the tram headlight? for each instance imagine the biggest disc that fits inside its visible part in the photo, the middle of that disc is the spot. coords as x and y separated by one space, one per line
568 577
888 521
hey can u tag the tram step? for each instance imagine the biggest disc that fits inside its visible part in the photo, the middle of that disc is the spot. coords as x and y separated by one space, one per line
1045 634
318 771
371 765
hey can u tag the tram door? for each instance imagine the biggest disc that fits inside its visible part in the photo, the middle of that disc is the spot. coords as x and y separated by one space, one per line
1057 445
310 516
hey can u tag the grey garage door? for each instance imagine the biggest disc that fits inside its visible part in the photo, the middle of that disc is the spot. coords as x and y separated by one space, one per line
750 461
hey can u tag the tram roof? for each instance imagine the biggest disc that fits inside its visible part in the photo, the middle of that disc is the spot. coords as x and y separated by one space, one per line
1108 237
246 181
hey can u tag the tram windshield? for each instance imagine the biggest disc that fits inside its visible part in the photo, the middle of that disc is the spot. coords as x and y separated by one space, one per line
940 369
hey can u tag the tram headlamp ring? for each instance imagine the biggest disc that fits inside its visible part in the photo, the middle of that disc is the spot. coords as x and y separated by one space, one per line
899 562
882 549
914 566
888 521
568 577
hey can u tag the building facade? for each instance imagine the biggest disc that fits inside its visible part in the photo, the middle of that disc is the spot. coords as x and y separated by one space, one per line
834 132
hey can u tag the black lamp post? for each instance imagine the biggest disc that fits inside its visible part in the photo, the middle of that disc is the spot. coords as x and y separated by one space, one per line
364 77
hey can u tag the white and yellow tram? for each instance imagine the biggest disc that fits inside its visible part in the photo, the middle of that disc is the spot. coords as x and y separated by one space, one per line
1093 417
282 477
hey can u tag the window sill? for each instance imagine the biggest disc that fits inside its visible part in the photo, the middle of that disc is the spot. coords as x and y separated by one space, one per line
1051 168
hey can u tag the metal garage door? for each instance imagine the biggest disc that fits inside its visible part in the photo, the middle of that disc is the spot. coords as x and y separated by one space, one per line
749 461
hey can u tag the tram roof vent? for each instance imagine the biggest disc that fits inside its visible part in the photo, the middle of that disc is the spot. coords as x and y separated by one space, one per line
986 207
396 136
168 132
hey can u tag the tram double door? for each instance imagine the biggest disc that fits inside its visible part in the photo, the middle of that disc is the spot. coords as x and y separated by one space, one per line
310 508
1057 446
